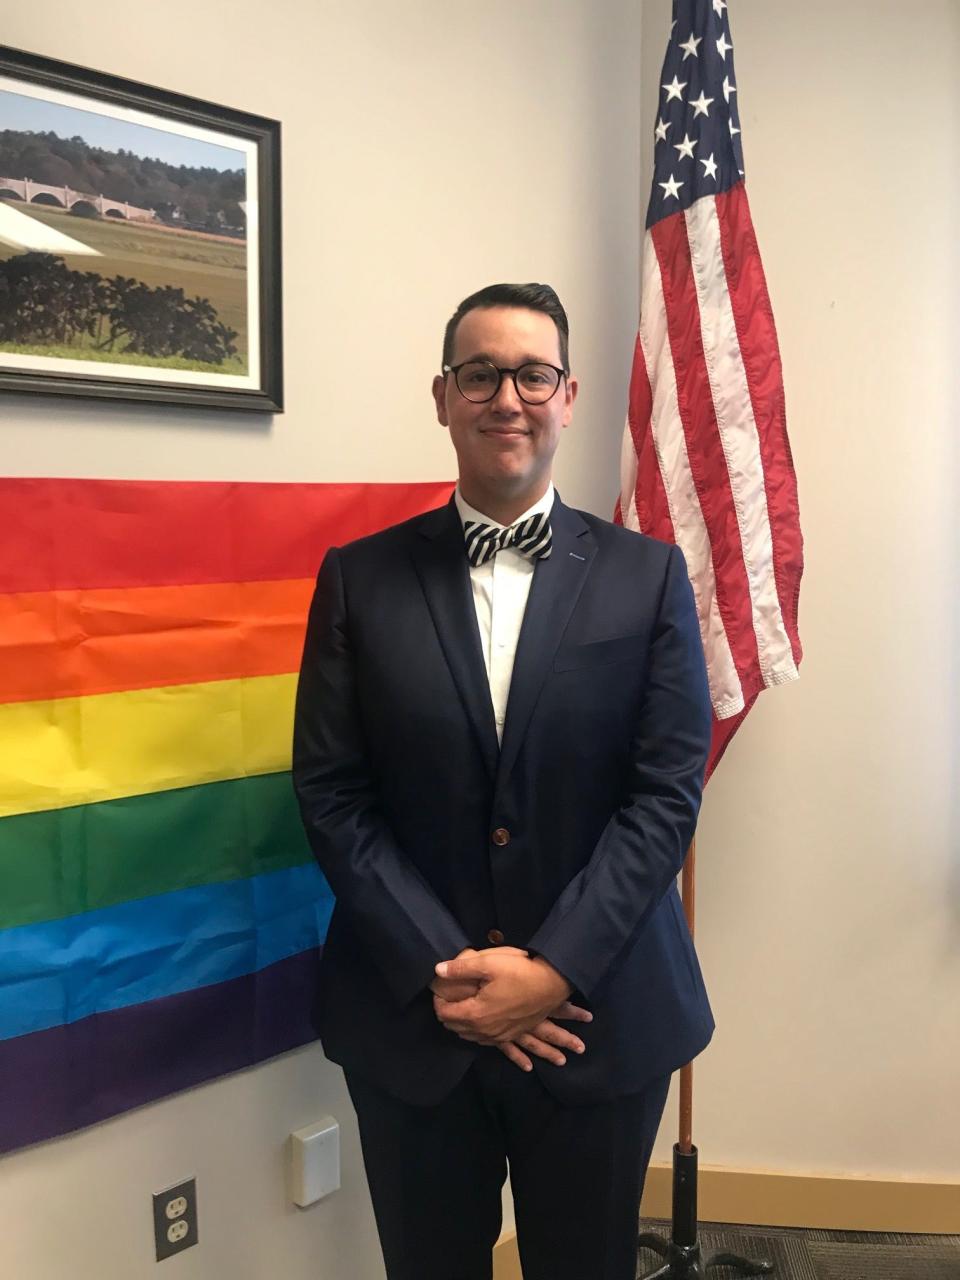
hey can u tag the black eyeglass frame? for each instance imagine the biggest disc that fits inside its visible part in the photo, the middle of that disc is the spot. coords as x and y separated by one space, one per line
455 370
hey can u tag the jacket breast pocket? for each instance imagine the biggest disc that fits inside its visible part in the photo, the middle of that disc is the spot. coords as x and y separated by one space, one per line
601 653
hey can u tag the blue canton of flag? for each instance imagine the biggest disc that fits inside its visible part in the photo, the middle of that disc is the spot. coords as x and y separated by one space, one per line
698 151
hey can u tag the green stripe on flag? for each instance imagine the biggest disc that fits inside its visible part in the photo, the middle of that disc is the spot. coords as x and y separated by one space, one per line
64 861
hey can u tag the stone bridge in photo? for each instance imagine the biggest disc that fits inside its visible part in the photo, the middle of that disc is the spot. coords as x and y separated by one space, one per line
66 198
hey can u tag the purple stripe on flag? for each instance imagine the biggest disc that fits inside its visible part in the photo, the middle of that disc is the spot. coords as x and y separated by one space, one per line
67 1077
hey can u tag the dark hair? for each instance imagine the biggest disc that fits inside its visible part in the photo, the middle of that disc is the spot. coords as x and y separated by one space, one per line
534 297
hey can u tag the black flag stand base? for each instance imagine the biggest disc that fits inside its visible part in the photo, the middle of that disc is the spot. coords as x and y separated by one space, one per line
683 1259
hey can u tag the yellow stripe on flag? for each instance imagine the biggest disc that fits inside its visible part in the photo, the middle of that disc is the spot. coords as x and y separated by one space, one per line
74 751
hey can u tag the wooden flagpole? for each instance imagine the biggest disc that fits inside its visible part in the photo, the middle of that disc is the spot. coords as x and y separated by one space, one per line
688 894
683 1257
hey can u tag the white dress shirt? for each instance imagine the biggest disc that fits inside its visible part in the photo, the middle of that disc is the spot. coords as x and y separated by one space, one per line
500 590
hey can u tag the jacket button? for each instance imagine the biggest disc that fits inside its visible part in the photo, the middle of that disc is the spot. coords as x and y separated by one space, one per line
501 836
496 937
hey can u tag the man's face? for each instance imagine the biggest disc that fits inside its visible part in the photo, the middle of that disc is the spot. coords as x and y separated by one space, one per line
505 447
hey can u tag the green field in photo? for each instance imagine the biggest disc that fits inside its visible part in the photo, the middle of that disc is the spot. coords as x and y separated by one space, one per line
82 351
200 265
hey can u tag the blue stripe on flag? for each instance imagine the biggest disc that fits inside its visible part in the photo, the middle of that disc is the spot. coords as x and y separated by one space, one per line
63 970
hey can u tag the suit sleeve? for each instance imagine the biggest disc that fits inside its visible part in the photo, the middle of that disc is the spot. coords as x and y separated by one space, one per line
600 913
396 913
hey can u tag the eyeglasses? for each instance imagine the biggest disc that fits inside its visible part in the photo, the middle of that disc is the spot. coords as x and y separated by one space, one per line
479 380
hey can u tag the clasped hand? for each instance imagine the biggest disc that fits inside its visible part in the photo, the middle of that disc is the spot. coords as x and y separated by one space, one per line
502 997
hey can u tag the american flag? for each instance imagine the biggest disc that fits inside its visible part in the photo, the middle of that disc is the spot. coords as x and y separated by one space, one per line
706 461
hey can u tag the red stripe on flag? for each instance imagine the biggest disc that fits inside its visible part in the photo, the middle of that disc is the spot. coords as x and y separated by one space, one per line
723 731
65 534
651 499
760 352
708 465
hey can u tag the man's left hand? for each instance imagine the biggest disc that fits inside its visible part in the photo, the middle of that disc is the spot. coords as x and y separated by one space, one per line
516 994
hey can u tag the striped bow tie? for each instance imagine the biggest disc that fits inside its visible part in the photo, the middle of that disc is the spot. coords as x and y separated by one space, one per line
532 537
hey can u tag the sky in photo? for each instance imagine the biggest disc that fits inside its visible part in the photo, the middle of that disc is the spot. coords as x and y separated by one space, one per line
19 112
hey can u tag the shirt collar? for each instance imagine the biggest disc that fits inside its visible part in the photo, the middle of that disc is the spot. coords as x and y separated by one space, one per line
466 512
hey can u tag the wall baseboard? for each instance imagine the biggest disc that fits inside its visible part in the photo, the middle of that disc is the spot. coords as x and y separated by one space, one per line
793 1200
506 1260
812 1200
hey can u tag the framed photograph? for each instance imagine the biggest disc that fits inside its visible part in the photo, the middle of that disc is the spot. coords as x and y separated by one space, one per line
139 242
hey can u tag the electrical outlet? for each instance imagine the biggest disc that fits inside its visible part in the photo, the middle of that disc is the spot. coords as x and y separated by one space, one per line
175 1219
176 1207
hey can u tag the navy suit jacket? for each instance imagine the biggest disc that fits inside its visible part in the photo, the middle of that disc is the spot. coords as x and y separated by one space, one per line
402 783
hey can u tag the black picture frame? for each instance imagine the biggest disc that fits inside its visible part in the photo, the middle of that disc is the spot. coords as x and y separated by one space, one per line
262 392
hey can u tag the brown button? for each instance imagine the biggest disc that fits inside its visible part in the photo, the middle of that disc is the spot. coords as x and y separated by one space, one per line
501 836
496 937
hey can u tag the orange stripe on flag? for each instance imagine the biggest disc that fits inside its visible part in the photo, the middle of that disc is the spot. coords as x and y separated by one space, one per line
61 644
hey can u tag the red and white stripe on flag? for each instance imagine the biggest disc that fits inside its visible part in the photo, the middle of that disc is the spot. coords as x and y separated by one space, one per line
706 462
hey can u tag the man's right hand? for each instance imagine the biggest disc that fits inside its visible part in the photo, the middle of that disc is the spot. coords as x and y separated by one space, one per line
547 1040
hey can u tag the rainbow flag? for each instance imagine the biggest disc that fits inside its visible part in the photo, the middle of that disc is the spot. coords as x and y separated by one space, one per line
160 912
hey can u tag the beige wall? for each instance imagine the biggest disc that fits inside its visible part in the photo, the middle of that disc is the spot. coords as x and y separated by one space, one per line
829 854
829 868
387 224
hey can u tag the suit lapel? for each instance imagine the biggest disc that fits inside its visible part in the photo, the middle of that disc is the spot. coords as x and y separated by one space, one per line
441 565
557 583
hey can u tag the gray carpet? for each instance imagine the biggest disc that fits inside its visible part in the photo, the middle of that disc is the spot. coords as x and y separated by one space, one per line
825 1255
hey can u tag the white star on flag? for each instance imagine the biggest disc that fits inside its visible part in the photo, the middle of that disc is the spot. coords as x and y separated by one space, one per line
701 105
661 129
690 48
719 6
722 47
674 90
728 88
685 147
709 167
671 187
733 127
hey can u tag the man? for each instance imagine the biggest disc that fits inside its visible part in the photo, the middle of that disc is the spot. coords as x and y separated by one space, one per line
501 730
